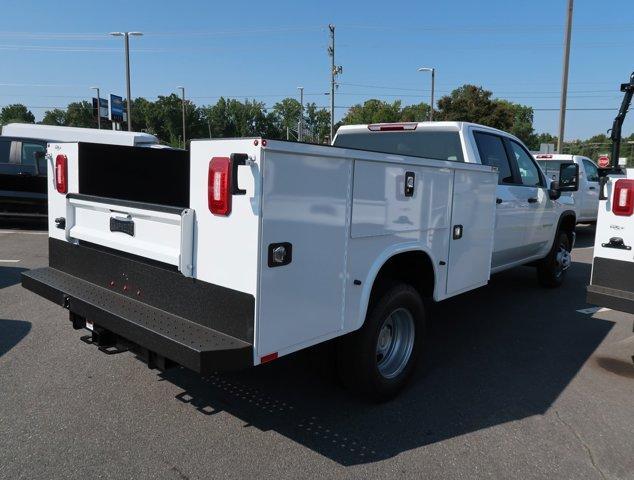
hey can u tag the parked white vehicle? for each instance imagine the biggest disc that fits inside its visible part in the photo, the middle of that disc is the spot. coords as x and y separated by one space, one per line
253 249
612 279
54 133
586 199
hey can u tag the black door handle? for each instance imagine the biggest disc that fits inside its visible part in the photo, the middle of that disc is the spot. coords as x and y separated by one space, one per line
498 200
532 200
592 188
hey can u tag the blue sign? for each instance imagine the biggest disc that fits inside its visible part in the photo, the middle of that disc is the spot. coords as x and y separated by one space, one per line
117 108
102 110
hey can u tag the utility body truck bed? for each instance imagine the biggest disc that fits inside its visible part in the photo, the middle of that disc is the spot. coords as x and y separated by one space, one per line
244 250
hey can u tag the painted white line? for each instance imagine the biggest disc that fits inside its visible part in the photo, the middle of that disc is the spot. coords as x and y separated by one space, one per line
593 310
9 261
23 232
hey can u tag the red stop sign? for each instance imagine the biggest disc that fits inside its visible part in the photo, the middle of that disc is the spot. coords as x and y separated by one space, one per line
604 161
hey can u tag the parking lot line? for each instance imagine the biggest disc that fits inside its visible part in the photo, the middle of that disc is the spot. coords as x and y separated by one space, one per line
24 232
593 310
9 261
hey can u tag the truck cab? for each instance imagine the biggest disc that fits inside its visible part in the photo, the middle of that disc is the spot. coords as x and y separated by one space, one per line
586 199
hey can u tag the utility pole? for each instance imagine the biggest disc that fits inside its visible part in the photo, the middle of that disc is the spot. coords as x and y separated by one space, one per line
564 78
300 126
98 108
126 36
333 72
182 89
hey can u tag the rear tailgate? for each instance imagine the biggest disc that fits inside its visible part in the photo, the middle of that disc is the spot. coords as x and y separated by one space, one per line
158 232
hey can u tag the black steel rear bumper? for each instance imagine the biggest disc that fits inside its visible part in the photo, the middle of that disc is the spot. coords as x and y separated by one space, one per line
612 284
192 345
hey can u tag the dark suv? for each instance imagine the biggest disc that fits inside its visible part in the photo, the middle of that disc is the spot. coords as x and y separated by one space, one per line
22 177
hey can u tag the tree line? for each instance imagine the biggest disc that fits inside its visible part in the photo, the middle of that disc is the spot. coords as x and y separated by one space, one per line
234 118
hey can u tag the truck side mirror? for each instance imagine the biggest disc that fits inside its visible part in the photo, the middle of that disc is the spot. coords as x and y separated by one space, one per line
553 192
568 177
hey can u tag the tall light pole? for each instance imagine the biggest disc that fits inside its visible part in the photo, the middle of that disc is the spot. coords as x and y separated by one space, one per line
126 36
98 108
564 78
433 80
300 126
182 89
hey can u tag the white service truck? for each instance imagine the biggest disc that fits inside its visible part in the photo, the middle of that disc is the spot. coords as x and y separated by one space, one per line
246 250
612 279
586 199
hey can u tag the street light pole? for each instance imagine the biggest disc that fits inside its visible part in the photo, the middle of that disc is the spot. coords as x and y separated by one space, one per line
98 108
300 126
182 89
126 36
433 81
564 78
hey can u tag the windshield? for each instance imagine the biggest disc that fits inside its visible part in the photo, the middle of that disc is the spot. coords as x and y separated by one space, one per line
439 145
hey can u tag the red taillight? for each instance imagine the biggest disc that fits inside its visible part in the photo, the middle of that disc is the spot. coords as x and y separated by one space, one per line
219 186
623 200
61 173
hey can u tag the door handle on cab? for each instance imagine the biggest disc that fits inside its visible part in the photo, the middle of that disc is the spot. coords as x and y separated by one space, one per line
592 188
498 200
532 200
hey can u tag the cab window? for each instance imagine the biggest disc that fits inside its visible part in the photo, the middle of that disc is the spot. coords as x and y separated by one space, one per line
592 173
528 170
5 151
492 153
31 152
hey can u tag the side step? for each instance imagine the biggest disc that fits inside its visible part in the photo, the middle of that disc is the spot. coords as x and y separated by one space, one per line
189 344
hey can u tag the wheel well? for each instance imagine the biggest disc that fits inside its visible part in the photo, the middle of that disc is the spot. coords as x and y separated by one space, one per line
414 268
567 224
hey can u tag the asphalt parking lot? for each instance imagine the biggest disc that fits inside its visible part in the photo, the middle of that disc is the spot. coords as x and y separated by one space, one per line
516 383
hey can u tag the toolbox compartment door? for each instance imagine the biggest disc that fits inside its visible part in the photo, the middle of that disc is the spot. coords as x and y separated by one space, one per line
157 232
472 230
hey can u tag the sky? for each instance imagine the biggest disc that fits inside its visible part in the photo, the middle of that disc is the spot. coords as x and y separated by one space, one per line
52 52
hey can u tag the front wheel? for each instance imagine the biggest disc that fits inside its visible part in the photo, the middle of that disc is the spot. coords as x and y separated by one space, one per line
378 360
551 271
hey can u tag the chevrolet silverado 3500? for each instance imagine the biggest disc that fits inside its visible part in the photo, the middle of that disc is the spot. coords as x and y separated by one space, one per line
245 250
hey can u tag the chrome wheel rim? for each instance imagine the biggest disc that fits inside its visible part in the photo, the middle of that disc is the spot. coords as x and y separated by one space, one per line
395 343
563 259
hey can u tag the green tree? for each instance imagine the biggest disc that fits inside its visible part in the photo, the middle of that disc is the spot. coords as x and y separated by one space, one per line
474 104
522 126
317 122
415 113
79 114
56 116
373 111
16 113
287 113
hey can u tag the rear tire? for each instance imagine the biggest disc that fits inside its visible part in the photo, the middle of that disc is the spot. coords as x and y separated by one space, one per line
378 359
551 271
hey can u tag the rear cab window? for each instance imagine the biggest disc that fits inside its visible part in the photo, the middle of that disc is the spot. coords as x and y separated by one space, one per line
437 145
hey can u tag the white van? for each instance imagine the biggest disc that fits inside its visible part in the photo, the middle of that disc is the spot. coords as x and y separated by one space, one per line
54 133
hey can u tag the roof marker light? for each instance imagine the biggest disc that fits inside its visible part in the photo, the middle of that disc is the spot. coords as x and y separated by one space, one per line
392 127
